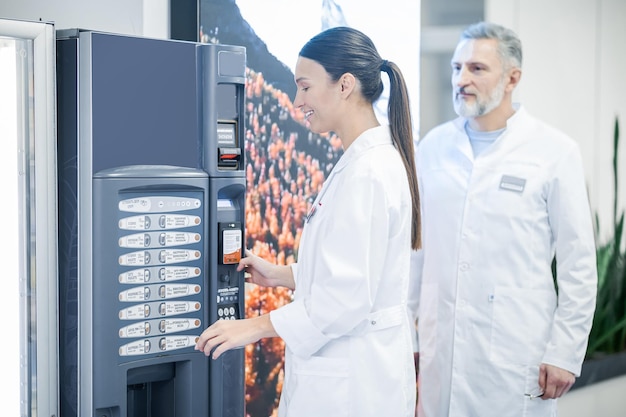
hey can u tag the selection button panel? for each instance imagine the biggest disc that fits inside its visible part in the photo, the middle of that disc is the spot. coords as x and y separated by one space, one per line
160 276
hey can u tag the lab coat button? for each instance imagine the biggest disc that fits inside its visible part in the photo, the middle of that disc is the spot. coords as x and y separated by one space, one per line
464 266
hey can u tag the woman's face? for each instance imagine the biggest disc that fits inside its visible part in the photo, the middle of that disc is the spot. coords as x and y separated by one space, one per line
317 96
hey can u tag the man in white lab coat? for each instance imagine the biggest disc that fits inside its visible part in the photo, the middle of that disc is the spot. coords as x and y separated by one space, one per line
502 194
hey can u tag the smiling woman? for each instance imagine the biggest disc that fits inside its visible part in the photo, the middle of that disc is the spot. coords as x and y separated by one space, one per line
286 163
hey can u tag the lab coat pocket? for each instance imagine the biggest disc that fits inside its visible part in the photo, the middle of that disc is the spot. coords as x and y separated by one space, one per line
323 387
534 406
521 323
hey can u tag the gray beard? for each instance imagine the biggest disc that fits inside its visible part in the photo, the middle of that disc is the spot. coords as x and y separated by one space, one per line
479 108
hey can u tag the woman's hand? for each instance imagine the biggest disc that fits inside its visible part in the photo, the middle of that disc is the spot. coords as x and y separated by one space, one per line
224 335
261 272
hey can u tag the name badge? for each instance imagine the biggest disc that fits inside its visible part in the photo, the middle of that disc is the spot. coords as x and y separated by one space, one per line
511 183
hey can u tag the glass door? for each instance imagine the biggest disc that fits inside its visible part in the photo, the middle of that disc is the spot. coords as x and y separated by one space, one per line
28 177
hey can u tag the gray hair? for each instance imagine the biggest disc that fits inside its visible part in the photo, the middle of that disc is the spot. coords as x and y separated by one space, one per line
509 44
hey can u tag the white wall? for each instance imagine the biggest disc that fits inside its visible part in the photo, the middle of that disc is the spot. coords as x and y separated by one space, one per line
129 17
574 59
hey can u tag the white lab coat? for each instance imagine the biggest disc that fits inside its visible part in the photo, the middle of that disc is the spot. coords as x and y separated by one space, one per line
347 333
488 311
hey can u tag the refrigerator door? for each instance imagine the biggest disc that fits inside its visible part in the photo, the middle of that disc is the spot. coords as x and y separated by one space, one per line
28 172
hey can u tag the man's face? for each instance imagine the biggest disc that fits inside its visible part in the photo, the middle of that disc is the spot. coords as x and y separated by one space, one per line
478 78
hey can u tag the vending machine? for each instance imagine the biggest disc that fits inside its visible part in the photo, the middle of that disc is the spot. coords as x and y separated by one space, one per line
151 218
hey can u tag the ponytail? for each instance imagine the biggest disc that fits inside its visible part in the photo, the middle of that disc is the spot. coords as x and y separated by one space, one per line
399 115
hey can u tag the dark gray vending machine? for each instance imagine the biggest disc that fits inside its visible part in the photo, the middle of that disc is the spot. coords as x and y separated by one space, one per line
151 224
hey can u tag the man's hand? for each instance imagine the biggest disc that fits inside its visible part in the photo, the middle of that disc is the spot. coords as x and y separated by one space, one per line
554 381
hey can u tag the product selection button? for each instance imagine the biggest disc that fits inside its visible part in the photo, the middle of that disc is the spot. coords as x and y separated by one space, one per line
135 258
178 325
177 221
135 276
178 290
136 312
139 347
172 308
139 329
136 294
135 223
176 342
173 273
168 256
178 238
138 240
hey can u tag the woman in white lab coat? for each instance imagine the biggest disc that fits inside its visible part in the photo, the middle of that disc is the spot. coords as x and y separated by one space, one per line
347 333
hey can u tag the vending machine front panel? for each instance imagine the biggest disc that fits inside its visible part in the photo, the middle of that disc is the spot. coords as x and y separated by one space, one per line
145 124
149 298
